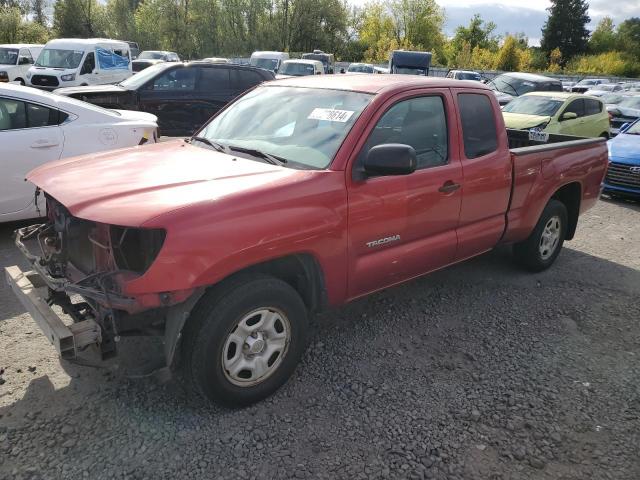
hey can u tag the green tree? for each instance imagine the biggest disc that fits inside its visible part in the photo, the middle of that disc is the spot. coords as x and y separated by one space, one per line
508 56
38 11
79 19
477 34
629 36
566 28
604 38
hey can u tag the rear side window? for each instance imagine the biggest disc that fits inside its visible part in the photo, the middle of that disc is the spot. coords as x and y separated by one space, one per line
15 114
213 79
592 107
176 79
478 125
577 107
244 79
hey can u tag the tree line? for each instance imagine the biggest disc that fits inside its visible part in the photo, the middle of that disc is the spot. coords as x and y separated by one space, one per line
201 28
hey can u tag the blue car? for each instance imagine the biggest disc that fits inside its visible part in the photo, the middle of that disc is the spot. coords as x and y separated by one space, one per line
623 174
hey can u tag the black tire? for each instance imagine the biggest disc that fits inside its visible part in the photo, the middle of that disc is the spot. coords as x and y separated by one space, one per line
214 319
21 81
605 135
528 253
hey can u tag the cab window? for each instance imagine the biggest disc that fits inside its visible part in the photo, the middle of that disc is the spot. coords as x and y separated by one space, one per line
592 107
25 57
577 107
478 125
89 64
419 122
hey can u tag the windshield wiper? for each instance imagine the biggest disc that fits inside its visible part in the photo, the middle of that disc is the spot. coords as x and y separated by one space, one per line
218 147
272 159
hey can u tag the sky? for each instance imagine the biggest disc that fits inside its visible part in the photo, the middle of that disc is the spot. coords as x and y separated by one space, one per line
514 16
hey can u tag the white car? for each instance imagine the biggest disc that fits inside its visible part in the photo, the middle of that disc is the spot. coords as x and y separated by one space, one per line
300 68
15 60
38 127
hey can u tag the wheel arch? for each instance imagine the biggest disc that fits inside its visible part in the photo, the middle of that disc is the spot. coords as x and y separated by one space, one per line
571 196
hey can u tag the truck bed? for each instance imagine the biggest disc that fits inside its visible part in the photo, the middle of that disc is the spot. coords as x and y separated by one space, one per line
543 167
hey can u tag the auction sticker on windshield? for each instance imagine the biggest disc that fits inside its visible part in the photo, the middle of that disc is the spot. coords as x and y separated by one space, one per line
330 114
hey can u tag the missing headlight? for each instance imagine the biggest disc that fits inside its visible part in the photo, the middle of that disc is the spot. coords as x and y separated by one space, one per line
135 249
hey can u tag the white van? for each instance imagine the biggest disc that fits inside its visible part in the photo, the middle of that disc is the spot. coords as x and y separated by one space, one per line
268 60
69 62
15 60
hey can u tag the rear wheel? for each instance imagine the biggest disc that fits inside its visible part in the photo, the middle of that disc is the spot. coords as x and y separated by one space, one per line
540 250
21 81
244 339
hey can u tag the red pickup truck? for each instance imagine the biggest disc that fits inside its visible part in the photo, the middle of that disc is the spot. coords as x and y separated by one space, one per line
303 193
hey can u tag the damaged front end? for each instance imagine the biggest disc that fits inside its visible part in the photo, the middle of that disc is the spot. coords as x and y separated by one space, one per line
84 268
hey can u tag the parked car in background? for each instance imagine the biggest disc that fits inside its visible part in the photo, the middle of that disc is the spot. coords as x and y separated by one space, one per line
37 127
15 61
268 60
567 85
625 111
604 88
360 68
327 59
382 70
613 98
304 194
587 84
300 68
73 61
182 95
134 49
153 57
409 63
558 112
508 86
464 75
632 87
623 173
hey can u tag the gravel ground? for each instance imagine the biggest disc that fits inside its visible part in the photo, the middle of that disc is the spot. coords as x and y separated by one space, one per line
480 371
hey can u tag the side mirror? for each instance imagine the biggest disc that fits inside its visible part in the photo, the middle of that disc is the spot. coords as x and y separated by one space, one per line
624 127
318 73
342 70
390 159
275 70
569 116
330 70
24 61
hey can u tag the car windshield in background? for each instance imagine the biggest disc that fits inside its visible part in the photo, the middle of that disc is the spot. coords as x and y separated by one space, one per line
57 58
266 63
534 105
152 56
8 56
136 81
634 129
630 102
469 76
296 69
512 85
303 126
586 83
360 68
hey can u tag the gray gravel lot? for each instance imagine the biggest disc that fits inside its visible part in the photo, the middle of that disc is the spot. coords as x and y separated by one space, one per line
480 371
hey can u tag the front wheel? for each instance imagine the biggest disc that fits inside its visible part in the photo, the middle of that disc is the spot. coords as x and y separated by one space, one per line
244 339
540 250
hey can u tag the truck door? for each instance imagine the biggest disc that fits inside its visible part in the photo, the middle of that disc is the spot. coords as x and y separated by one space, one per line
486 166
403 226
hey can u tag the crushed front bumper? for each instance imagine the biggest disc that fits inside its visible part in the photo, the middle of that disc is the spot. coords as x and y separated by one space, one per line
32 291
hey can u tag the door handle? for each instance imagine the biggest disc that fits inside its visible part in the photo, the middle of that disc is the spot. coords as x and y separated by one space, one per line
449 187
43 144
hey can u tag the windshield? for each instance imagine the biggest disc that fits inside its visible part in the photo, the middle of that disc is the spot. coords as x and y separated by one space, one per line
303 126
534 105
266 63
631 102
317 56
634 129
152 56
297 69
361 68
57 58
8 56
469 76
136 81
512 85
588 82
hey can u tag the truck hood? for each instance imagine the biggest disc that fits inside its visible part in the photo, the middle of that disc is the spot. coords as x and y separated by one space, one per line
132 186
67 91
625 146
520 121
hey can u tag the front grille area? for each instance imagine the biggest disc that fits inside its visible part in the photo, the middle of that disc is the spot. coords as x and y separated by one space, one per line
44 81
620 175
